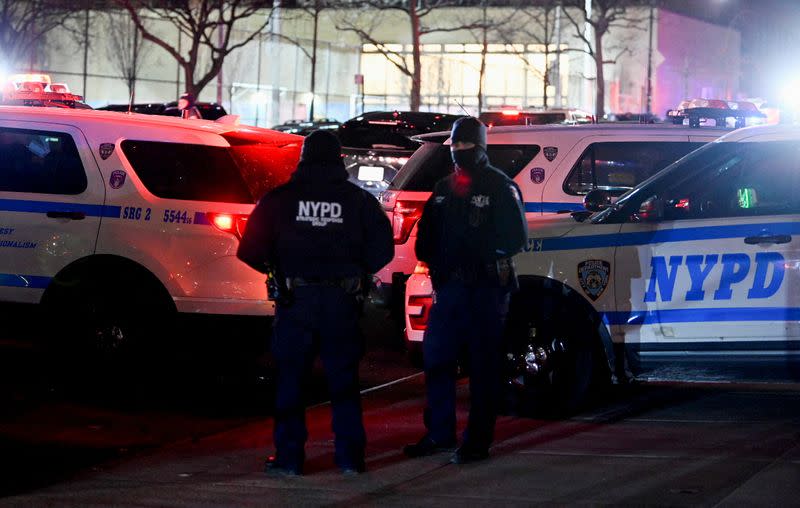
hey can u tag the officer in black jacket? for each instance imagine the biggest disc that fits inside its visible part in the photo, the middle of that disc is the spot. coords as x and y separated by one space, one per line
321 236
471 226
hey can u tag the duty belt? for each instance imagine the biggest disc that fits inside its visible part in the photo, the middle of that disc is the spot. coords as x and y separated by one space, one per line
349 284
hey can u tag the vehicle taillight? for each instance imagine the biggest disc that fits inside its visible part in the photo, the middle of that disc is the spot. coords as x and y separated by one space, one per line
405 217
232 223
419 310
421 269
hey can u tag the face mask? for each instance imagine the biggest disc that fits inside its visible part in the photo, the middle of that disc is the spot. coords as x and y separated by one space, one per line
468 160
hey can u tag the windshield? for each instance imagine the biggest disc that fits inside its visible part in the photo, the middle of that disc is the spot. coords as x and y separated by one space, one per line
710 157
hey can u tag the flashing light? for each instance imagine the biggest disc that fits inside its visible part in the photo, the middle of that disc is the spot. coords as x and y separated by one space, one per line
37 90
44 79
234 224
697 110
507 112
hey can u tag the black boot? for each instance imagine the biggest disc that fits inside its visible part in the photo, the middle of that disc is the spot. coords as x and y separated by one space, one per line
427 446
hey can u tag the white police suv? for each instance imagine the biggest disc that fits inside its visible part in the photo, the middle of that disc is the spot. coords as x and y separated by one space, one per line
555 166
694 274
114 221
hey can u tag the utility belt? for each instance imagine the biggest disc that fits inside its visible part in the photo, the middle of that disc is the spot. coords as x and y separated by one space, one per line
499 273
351 285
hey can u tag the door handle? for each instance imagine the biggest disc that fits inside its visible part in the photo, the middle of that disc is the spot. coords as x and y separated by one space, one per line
66 215
767 238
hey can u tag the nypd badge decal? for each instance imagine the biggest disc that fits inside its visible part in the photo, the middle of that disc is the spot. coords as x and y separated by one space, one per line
550 152
537 175
117 179
593 275
106 149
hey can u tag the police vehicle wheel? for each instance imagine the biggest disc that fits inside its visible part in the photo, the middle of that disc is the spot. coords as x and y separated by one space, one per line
109 323
551 357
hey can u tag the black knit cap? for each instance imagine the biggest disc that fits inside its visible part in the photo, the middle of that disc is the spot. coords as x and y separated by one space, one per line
321 146
470 130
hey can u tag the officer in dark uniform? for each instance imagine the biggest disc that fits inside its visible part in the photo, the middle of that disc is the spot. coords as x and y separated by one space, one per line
320 237
471 226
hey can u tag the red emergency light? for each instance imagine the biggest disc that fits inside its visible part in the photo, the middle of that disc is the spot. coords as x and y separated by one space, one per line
232 223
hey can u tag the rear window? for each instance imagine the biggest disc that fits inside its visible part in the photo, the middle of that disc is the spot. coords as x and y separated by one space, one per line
432 162
186 171
239 174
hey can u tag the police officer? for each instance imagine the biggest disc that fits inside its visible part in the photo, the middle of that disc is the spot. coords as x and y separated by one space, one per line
471 226
188 107
323 236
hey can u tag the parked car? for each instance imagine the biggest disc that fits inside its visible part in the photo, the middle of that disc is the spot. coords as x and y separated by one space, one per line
555 166
304 128
114 224
377 144
208 110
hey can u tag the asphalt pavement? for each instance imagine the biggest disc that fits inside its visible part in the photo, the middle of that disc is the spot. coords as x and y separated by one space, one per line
661 445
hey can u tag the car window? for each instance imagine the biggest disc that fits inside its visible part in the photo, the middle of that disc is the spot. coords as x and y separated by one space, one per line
40 162
747 179
432 162
620 166
187 171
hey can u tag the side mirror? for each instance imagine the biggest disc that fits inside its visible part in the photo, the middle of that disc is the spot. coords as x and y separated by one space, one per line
651 210
597 200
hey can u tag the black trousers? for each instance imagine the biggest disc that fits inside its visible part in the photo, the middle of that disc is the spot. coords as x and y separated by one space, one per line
322 320
470 319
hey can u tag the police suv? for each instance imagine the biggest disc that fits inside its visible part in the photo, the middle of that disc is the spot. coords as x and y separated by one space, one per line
694 274
555 166
115 221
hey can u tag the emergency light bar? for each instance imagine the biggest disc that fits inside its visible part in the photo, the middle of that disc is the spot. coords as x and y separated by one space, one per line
718 110
38 90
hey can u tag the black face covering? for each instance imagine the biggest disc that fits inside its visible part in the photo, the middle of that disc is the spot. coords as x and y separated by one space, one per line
470 160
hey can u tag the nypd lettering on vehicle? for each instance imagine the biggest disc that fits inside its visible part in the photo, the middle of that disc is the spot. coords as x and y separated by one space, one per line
733 269
319 213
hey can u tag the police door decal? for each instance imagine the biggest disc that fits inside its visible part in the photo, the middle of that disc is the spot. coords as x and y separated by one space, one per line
593 275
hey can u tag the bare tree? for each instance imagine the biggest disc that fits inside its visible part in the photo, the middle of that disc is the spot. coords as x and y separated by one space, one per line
313 9
606 15
365 21
126 48
537 25
23 24
207 24
488 27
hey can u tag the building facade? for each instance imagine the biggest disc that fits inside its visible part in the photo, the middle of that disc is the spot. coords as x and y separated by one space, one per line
268 81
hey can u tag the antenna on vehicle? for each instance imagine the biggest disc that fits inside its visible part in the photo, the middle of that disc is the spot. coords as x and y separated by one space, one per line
461 106
130 102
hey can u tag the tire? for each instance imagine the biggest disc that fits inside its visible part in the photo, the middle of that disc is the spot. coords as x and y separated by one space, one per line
563 385
111 324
